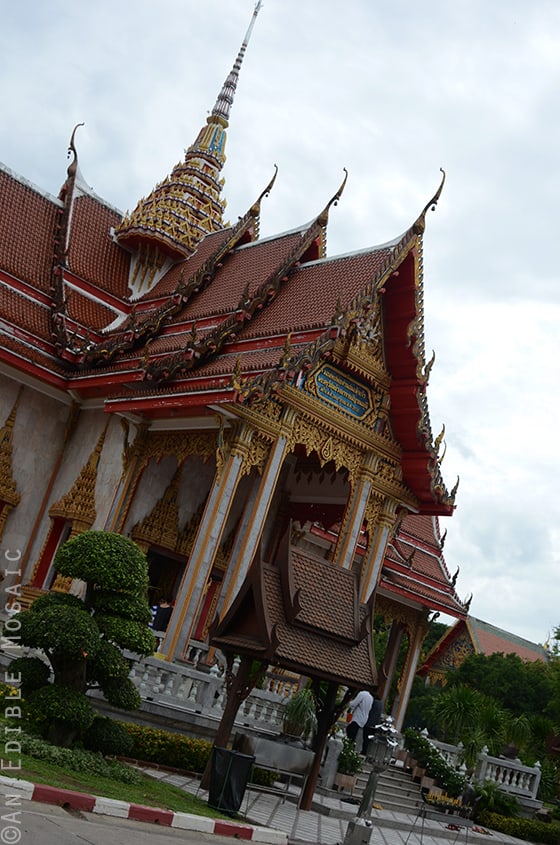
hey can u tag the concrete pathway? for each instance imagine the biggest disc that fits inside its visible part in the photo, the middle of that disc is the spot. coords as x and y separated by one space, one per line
326 822
268 817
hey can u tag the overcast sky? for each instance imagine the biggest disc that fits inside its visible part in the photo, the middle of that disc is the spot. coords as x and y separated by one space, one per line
392 90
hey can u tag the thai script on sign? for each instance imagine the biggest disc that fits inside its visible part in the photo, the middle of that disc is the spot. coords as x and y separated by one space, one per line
343 392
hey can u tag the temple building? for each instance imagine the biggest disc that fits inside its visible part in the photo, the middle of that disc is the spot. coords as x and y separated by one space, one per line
215 396
473 636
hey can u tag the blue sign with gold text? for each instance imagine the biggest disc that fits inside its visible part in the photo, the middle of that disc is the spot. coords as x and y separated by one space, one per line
343 392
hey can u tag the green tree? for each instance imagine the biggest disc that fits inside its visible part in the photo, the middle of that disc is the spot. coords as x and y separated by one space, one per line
523 687
82 639
456 710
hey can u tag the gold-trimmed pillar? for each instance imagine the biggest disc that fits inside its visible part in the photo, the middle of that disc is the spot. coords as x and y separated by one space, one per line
191 590
255 516
355 513
390 659
416 638
381 522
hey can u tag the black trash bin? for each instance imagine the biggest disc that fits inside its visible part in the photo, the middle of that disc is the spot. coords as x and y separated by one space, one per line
229 773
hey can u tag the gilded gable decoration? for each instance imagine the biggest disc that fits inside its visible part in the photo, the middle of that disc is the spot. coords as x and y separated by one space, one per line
9 496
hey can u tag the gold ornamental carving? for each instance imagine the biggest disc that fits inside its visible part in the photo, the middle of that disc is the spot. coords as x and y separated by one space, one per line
9 496
257 454
325 445
188 534
372 513
78 505
161 526
183 445
392 611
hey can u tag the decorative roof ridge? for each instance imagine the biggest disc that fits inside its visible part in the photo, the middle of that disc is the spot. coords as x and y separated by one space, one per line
196 351
297 230
145 330
343 256
504 635
407 576
290 368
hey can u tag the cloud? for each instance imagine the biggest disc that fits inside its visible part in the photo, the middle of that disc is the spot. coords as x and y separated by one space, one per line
391 91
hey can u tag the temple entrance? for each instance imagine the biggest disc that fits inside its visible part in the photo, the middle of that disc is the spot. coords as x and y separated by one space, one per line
164 572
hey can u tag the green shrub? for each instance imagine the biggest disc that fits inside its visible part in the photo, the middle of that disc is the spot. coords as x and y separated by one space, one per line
107 560
55 703
299 717
122 694
430 759
528 829
168 749
349 761
78 760
109 737
33 672
263 777
493 799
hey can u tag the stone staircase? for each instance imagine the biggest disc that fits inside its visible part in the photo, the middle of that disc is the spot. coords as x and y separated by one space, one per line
395 791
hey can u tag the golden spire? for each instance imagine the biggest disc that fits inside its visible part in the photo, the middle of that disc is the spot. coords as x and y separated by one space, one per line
187 205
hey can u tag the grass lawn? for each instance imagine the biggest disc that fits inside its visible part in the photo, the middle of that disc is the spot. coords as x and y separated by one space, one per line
151 792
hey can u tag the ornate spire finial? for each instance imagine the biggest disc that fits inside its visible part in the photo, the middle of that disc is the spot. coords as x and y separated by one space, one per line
225 97
187 205
323 217
420 224
73 166
434 200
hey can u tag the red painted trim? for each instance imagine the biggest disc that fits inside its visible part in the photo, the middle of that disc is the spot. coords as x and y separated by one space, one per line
38 371
150 814
48 552
32 293
102 296
63 797
229 829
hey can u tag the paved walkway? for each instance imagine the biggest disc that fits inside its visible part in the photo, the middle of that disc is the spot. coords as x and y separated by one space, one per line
326 822
266 817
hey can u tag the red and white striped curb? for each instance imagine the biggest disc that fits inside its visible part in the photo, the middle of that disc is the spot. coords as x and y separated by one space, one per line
122 809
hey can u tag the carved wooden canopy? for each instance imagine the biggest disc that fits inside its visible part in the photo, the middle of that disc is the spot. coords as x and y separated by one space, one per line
301 613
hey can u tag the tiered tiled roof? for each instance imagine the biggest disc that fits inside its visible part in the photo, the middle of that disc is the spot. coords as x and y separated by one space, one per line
473 636
327 637
414 568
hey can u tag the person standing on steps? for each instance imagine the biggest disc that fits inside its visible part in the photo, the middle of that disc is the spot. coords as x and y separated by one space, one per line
373 719
359 707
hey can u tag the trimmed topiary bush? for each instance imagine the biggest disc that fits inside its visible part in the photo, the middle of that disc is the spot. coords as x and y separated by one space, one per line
82 640
32 671
109 737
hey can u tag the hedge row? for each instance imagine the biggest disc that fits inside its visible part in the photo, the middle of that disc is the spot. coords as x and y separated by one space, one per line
547 833
153 745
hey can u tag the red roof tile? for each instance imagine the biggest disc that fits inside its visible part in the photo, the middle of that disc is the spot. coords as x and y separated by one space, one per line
93 255
24 210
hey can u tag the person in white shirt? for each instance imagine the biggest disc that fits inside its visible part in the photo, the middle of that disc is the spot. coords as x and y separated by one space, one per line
359 707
